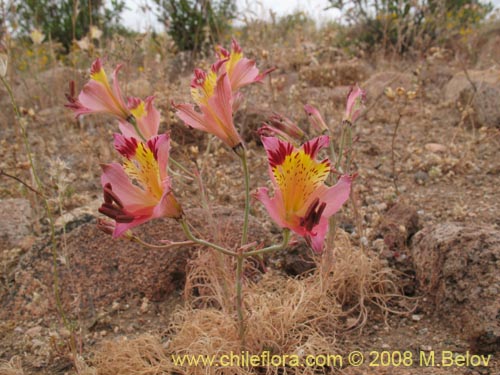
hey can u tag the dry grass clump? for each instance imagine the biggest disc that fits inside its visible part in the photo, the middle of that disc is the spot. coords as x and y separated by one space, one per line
12 367
301 316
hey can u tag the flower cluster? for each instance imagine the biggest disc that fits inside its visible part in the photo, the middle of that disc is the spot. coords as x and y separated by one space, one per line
216 94
139 188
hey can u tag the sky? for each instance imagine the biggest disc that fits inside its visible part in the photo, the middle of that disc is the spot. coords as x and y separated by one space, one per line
137 19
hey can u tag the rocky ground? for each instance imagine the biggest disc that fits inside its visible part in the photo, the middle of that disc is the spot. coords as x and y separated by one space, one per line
427 193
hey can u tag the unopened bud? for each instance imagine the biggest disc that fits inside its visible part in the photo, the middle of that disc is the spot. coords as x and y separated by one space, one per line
283 124
316 120
355 103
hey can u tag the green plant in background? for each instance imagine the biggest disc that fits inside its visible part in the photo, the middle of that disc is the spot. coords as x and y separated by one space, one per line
402 24
194 23
67 20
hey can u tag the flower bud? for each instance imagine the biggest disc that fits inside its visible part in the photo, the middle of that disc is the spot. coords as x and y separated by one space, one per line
316 120
355 103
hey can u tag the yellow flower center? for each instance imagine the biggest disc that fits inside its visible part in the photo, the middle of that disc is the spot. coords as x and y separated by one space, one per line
298 177
234 58
138 111
205 90
144 169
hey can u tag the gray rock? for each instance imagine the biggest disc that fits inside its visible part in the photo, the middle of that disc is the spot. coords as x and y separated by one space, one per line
457 268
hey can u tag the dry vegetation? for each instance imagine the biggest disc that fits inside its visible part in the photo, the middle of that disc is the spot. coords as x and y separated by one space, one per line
421 146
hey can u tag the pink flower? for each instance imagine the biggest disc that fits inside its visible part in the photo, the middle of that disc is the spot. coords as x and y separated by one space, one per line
98 96
301 201
140 189
355 103
240 70
146 115
213 95
316 120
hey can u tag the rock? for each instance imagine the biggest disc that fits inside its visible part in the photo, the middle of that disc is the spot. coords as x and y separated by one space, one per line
488 53
481 92
485 103
99 270
398 225
435 147
459 82
15 221
421 177
457 268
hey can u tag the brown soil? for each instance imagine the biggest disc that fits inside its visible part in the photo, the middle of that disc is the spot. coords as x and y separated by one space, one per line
436 168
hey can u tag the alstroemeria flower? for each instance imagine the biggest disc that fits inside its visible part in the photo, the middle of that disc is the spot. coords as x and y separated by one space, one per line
97 96
302 202
355 102
140 189
240 70
146 115
213 95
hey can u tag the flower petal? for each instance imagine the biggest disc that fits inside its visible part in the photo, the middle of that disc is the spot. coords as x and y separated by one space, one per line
150 122
273 205
221 102
116 87
161 149
132 196
337 195
316 238
313 146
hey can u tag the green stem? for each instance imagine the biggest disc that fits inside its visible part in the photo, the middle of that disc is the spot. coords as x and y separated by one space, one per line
246 176
349 151
190 235
282 245
341 146
164 246
133 121
239 298
181 167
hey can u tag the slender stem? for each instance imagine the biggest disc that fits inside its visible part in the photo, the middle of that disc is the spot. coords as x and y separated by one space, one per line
190 235
239 298
164 246
133 121
349 150
246 176
21 182
181 167
282 245
341 146
332 152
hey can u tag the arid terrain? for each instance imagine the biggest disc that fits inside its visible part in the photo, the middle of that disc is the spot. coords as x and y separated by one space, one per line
416 262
